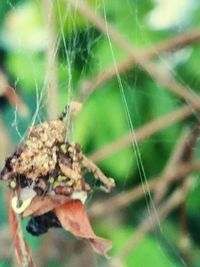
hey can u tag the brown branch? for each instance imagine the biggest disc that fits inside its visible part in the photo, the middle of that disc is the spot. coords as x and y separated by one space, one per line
163 184
51 78
183 153
124 199
5 242
158 73
152 221
187 156
108 183
141 133
5 142
14 99
169 45
22 249
185 239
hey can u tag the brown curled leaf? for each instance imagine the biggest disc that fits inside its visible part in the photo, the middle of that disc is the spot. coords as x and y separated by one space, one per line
73 217
41 205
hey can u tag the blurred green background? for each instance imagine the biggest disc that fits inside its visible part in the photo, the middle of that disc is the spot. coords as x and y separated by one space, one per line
81 52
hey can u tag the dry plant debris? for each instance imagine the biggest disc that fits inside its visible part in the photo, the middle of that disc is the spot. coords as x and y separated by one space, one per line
46 177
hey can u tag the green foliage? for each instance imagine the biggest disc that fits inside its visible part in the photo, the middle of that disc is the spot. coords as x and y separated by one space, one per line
147 252
193 200
3 216
104 120
124 104
17 64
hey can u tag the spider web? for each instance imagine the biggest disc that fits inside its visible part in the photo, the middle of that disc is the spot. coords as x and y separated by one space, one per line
77 46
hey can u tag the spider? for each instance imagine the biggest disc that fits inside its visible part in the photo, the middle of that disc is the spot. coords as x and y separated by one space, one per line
49 165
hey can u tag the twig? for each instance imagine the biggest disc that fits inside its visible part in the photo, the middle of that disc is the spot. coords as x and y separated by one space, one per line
51 65
5 242
168 45
45 249
187 156
14 99
108 183
141 133
22 249
183 153
158 73
152 221
190 144
5 142
185 239
115 203
163 184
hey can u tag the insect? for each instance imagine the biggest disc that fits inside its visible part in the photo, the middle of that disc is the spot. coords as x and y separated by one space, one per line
47 165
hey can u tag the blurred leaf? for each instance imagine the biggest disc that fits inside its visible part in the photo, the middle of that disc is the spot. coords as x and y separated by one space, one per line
24 28
101 121
69 20
193 199
33 77
160 102
148 253
106 54
28 70
192 68
3 8
3 211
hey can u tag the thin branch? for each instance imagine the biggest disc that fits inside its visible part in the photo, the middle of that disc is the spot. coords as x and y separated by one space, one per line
163 184
6 242
14 99
185 238
51 65
5 142
158 73
152 221
22 249
108 183
169 45
141 133
183 153
115 203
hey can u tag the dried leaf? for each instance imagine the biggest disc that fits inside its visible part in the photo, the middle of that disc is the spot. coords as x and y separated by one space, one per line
41 205
20 209
26 196
73 217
